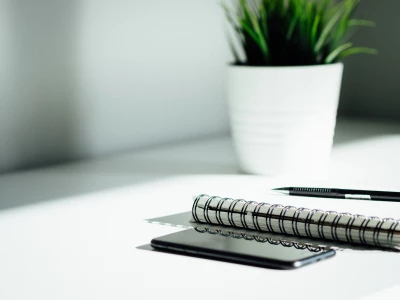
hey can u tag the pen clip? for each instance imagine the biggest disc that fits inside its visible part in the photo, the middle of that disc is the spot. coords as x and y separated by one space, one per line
357 196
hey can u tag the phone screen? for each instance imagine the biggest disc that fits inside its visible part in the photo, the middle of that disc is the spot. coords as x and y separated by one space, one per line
259 252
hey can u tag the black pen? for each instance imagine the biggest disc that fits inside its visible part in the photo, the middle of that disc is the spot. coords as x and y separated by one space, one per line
340 193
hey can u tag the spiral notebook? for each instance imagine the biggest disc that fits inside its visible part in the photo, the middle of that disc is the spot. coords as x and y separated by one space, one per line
302 222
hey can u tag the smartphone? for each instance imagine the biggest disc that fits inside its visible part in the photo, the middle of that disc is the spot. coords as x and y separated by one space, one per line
239 250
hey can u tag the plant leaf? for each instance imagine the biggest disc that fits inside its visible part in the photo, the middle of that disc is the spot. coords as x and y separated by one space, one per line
357 50
255 32
359 22
250 32
335 53
264 20
261 39
233 48
291 27
328 27
245 9
314 29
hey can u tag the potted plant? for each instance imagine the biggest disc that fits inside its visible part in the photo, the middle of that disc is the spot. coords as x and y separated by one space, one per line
284 84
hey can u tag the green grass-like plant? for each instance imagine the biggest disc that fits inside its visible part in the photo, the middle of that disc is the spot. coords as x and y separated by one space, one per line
293 32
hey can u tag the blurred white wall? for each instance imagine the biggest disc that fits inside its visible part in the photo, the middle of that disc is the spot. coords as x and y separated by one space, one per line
81 78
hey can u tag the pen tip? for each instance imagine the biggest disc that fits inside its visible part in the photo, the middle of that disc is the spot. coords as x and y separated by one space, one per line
281 189
279 192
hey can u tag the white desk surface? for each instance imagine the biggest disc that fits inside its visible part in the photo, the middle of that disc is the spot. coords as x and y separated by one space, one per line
71 231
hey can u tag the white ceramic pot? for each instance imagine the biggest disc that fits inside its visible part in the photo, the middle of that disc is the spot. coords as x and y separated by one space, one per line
283 118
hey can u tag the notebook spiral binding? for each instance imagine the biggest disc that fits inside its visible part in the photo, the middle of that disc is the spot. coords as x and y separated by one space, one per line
315 223
259 239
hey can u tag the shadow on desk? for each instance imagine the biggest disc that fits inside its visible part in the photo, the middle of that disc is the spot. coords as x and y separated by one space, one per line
209 156
212 156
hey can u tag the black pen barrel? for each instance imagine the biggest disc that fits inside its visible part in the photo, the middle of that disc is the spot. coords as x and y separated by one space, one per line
344 193
316 192
385 198
371 193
